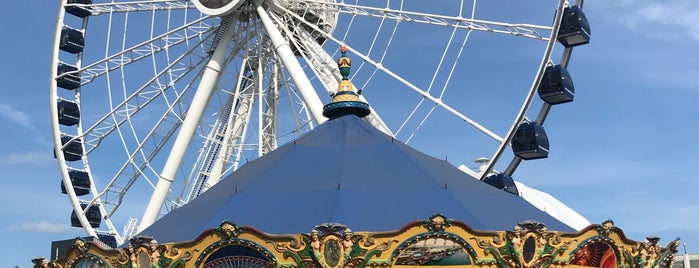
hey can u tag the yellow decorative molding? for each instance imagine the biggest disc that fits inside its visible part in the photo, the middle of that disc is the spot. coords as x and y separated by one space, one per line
436 241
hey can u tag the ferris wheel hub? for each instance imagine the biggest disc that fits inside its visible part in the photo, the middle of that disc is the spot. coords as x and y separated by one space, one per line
217 7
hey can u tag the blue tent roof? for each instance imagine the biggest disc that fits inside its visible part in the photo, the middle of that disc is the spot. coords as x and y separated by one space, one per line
346 171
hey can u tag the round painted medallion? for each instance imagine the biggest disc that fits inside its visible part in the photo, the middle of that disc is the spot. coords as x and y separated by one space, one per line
332 253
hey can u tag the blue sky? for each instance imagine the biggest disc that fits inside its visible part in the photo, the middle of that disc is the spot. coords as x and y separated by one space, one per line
624 150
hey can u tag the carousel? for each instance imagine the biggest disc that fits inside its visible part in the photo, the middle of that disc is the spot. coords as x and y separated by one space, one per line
434 242
370 201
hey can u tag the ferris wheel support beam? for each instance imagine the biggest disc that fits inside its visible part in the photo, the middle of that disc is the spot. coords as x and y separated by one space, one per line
232 138
207 84
260 93
218 157
241 123
286 55
269 122
230 135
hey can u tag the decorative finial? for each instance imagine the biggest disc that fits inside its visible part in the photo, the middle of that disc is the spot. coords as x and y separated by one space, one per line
345 101
344 63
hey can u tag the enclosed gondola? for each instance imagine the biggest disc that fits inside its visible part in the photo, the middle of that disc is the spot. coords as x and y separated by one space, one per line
108 239
67 78
530 141
72 150
502 182
72 40
68 113
93 214
556 86
80 180
574 30
74 8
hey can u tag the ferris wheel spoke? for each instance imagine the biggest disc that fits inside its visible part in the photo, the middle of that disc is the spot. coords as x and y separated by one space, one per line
304 43
196 29
250 90
385 50
424 93
322 64
373 45
207 83
410 115
231 126
228 134
217 149
317 10
159 135
300 116
211 159
434 78
268 95
241 124
239 128
235 136
270 125
263 71
135 102
286 55
533 31
135 6
139 162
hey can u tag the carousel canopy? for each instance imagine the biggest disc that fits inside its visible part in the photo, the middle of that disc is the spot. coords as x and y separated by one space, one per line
346 171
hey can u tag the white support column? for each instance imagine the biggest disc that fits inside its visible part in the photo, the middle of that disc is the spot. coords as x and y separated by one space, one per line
229 135
241 123
194 114
270 119
260 103
310 97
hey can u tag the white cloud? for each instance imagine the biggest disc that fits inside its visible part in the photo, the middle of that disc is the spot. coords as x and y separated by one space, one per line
680 16
27 158
40 227
672 19
18 117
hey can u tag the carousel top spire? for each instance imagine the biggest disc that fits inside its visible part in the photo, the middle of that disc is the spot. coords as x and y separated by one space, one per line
346 100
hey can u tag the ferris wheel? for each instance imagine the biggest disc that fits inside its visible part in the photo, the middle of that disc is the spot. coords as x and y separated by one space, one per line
154 101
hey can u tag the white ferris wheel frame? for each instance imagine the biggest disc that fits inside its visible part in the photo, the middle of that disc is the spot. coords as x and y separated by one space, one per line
309 95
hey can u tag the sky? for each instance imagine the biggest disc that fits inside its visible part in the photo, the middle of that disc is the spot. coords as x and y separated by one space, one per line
625 149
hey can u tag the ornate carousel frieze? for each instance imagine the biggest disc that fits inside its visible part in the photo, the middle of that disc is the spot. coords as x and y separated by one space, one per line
436 241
